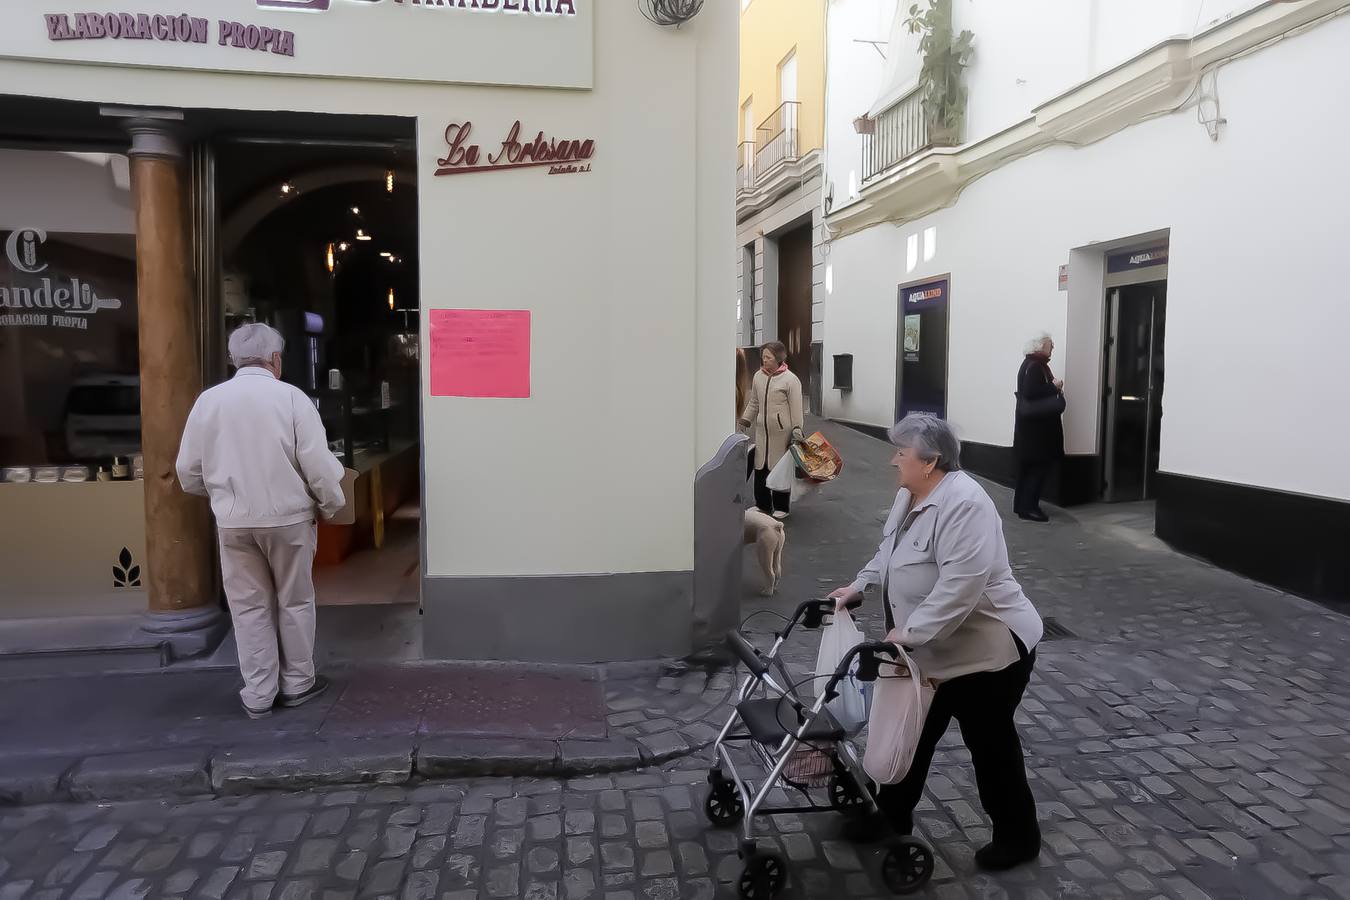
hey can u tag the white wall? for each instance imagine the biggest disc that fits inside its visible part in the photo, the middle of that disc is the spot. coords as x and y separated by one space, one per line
1026 53
1256 311
593 473
854 73
74 192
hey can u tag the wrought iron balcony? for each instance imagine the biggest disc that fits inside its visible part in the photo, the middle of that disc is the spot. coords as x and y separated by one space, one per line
897 133
745 166
777 138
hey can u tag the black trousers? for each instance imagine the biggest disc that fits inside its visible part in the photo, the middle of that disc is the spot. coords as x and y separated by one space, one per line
983 705
770 501
1031 478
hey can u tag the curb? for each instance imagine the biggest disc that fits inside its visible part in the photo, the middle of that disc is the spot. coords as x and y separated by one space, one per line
231 771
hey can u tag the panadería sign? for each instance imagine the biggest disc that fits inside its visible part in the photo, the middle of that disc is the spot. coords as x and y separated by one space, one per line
529 43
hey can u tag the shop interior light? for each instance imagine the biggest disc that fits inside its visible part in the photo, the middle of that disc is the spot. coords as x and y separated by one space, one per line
344 246
391 299
362 236
331 258
387 255
389 181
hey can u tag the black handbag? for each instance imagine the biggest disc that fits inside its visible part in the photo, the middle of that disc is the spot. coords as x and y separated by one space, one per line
1054 405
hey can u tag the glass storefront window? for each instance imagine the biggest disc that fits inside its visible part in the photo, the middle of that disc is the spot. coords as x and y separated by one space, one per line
69 356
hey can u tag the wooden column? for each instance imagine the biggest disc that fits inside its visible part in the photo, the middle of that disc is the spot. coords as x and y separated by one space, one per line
178 538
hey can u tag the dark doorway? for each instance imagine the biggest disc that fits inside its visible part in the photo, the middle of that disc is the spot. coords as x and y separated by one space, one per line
1132 416
794 303
319 239
921 349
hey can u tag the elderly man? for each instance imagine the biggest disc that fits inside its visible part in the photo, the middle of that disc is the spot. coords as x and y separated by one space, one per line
256 446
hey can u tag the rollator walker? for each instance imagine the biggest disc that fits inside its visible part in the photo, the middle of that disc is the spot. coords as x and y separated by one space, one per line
771 724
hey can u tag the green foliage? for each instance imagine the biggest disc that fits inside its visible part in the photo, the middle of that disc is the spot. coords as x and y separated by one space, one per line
946 55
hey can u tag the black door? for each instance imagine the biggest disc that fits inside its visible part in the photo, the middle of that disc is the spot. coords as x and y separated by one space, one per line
921 351
794 304
1136 318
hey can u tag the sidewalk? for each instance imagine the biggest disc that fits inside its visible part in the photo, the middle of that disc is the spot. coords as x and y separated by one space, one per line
181 733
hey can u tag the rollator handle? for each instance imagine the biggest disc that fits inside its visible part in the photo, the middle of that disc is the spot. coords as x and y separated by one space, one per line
869 661
747 653
813 613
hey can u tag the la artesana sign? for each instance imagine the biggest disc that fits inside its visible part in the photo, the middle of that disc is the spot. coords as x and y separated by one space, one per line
562 156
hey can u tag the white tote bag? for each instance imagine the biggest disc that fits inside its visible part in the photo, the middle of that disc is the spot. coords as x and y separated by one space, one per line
900 703
836 640
781 478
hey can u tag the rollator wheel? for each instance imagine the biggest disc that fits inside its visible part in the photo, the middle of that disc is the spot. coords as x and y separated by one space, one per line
907 867
724 807
764 876
845 797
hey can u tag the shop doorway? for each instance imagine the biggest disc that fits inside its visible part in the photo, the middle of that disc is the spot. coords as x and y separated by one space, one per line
794 303
1136 316
318 238
921 349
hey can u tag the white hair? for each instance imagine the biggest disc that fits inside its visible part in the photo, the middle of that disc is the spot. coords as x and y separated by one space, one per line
1037 344
253 344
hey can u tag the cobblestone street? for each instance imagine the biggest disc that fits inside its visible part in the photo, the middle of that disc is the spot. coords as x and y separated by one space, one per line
1186 733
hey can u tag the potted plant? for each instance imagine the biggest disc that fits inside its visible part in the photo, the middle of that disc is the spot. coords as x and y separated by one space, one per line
946 55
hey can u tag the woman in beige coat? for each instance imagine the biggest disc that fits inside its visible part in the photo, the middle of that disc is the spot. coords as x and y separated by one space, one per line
773 418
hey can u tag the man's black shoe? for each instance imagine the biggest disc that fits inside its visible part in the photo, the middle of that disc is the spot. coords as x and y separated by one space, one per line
316 689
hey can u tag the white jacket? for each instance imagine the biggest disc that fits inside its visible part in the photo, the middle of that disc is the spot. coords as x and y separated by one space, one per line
944 567
257 447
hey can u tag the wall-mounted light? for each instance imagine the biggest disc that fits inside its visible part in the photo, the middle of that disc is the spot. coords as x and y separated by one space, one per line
287 189
356 210
362 236
391 299
331 258
389 181
344 246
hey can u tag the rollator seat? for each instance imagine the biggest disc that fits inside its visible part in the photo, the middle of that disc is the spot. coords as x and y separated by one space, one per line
765 720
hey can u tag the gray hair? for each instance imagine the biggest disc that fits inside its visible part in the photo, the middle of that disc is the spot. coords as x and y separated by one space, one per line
253 344
1037 344
931 438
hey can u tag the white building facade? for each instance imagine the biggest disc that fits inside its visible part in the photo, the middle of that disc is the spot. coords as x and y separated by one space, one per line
1148 181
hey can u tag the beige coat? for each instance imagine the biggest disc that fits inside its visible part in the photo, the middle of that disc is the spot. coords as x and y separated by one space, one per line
773 413
944 567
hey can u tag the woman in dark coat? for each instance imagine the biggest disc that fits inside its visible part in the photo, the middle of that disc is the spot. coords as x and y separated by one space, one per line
1038 436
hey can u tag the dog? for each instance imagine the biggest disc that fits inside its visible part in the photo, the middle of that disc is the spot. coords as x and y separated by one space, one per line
769 537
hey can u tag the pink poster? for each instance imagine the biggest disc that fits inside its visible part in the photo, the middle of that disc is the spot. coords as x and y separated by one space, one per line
480 353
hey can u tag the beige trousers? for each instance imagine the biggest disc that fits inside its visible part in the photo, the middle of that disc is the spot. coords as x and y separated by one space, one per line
268 575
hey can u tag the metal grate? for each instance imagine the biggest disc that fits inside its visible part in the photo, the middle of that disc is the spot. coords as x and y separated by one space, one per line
1056 631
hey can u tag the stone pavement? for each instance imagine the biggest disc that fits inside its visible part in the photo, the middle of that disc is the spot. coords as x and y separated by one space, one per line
1186 737
127 736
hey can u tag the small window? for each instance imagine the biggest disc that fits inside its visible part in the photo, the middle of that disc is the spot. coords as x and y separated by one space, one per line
787 79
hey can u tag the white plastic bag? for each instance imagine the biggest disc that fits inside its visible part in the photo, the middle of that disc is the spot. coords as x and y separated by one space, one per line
837 638
781 478
899 709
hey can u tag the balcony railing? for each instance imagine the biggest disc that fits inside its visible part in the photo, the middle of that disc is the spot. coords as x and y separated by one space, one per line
745 166
777 138
899 132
